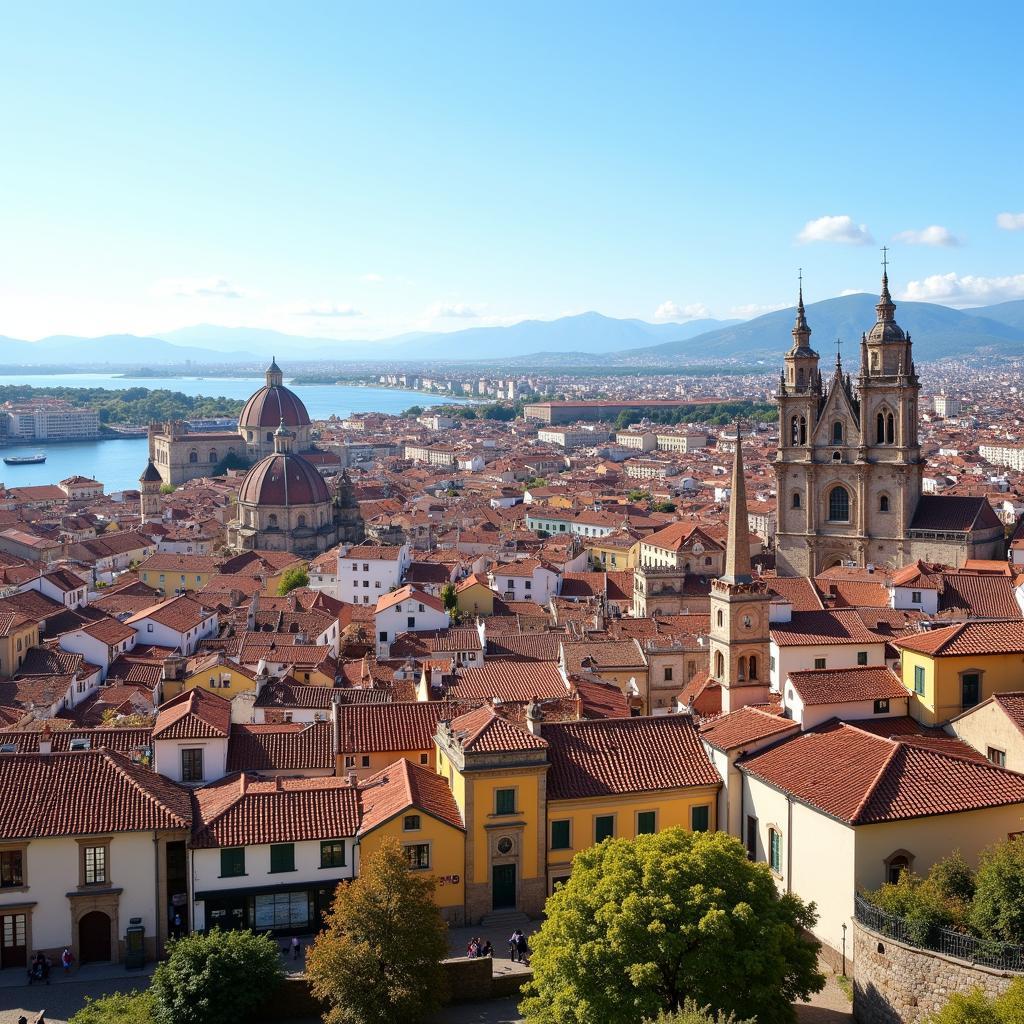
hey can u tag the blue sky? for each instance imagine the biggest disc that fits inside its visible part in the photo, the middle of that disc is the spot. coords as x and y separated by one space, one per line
358 170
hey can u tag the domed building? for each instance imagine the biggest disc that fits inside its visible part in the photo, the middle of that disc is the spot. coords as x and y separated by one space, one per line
284 504
270 407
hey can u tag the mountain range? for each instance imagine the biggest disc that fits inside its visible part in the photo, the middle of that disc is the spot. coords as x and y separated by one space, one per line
938 332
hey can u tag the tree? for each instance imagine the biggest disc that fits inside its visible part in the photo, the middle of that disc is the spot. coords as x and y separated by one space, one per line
998 908
449 598
167 488
413 411
644 924
378 961
117 1008
665 506
976 1008
291 579
217 978
691 1013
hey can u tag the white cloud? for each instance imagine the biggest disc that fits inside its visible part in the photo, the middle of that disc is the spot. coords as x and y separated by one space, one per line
968 290
1011 221
329 310
934 234
670 311
372 278
451 309
752 309
200 288
835 229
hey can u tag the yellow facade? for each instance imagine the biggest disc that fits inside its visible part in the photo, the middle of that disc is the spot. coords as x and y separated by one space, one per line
15 646
476 599
612 557
944 686
669 808
168 581
226 680
447 856
369 763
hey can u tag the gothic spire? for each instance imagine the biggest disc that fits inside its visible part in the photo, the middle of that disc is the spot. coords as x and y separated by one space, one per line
886 308
737 544
801 332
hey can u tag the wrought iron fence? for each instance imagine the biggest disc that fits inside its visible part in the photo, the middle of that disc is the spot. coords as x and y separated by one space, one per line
1001 955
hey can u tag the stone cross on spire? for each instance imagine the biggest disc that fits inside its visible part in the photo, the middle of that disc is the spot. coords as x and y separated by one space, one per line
737 544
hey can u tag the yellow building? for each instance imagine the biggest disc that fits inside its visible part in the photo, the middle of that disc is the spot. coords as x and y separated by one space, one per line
474 597
952 669
213 672
619 550
531 798
414 806
173 574
17 634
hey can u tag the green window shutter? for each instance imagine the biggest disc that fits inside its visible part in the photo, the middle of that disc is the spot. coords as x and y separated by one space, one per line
645 823
282 857
560 835
919 679
232 861
504 801
700 819
604 827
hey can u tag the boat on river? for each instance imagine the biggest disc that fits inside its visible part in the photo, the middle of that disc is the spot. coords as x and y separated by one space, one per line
24 460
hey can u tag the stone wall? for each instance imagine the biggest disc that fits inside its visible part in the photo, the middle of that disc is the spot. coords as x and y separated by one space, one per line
894 983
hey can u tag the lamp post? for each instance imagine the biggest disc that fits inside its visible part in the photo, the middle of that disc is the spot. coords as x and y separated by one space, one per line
844 949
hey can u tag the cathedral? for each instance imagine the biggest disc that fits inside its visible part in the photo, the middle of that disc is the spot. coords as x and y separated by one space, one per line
849 466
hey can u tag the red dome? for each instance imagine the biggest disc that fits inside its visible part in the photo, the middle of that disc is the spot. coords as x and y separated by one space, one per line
272 405
280 480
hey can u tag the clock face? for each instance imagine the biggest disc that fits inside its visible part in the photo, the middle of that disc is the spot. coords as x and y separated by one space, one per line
698 548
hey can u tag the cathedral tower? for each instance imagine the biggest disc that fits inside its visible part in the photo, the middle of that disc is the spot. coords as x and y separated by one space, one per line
149 486
740 607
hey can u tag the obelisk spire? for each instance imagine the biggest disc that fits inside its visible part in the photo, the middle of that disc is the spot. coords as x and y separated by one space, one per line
737 544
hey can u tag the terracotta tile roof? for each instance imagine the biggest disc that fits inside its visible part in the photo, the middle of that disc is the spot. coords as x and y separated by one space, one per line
12 621
284 693
408 593
109 631
797 590
1005 637
193 714
953 514
405 786
483 729
745 726
854 593
300 746
509 681
627 755
1013 707
179 613
863 779
600 700
85 792
50 660
527 646
612 654
372 552
399 726
245 810
827 627
125 741
703 694
846 685
979 595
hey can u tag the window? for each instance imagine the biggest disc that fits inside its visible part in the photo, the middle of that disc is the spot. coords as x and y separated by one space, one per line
775 850
95 864
890 432
719 619
919 679
193 456
366 761
192 764
504 801
882 707
272 521
837 433
604 827
719 664
997 756
751 837
668 673
752 671
382 636
839 505
646 822
350 761
424 759
332 854
883 503
970 688
862 657
895 865
12 869
301 522
819 663
700 818
561 838
880 421
232 862
282 857
796 499
915 597
213 455
418 856
411 823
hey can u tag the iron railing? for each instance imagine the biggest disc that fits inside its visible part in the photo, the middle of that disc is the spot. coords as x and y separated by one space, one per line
1001 955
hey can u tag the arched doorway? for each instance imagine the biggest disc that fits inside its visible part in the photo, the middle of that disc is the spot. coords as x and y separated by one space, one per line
94 937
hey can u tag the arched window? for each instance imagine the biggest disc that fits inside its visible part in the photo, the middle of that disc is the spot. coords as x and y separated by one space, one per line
837 456
213 455
883 503
796 499
839 505
741 668
752 670
795 433
719 617
890 429
896 863
880 429
719 665
874 360
800 376
193 456
803 430
837 432
302 521
272 521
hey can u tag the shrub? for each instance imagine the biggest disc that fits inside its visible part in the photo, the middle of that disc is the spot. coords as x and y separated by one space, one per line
976 1008
691 1013
118 1008
291 579
998 908
919 902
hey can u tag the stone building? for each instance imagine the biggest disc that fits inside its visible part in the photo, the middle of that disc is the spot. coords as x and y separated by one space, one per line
849 465
149 492
181 454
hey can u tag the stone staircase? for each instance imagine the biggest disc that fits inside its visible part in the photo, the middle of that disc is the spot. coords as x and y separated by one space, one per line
505 922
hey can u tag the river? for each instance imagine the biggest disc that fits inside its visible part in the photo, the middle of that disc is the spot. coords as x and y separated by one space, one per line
118 464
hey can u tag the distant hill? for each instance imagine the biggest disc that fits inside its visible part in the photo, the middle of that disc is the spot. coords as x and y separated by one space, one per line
1009 313
937 331
107 350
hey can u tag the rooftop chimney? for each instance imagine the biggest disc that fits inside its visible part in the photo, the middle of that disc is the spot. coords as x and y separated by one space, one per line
45 741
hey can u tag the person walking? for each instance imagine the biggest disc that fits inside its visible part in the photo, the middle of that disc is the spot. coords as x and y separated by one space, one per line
522 947
296 947
66 959
513 946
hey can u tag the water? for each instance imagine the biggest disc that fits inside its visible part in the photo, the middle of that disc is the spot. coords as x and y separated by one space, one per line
118 464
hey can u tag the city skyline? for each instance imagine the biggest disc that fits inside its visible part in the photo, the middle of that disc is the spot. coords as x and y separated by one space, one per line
357 174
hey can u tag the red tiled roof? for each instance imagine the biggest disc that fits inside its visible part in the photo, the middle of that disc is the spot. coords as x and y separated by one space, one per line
967 638
401 786
411 725
862 779
483 729
845 685
85 792
828 627
625 755
299 746
509 681
744 726
953 514
408 593
193 714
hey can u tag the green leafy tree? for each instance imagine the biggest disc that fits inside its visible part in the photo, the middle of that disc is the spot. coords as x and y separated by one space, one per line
644 924
976 1008
691 1013
167 488
997 911
378 961
413 411
665 506
217 978
449 598
118 1008
291 579
638 495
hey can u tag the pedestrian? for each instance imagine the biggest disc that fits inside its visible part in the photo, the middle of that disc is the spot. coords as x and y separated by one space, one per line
513 946
522 948
487 949
296 947
66 959
177 925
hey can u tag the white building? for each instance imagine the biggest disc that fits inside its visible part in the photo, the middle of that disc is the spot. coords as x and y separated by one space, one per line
407 610
366 571
179 624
